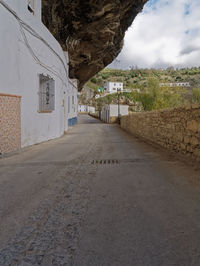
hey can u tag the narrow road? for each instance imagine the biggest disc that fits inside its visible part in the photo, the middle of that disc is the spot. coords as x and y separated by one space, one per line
98 197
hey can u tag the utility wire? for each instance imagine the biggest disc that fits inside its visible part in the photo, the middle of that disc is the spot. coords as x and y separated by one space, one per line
37 59
28 28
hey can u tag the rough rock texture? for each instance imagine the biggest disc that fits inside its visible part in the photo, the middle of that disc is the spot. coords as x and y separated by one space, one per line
92 31
175 129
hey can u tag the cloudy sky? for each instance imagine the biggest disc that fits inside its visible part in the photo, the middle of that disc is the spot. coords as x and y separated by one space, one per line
166 33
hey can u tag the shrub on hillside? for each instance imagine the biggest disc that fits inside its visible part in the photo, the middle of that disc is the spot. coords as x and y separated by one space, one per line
196 95
94 80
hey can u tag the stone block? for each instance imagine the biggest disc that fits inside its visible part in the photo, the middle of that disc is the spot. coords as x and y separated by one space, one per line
194 141
193 125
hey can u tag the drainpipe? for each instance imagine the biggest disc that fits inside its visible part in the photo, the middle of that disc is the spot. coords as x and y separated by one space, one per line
118 97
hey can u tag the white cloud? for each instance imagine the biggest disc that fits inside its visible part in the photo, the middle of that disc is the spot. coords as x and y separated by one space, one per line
166 33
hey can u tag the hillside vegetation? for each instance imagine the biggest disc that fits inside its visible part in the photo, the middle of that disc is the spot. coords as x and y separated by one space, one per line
145 93
137 77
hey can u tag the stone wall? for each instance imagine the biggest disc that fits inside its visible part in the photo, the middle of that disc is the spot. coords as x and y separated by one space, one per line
175 129
10 123
113 119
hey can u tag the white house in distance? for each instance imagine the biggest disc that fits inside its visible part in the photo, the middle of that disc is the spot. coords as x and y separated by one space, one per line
37 99
176 84
82 108
112 87
86 109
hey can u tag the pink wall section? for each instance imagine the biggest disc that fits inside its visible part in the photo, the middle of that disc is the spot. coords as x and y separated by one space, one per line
10 123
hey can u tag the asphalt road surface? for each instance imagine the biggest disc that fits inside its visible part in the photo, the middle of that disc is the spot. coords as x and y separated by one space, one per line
98 197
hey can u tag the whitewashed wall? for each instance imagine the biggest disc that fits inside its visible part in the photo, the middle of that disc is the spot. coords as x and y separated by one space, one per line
86 109
82 108
112 87
114 109
111 110
19 72
91 109
72 100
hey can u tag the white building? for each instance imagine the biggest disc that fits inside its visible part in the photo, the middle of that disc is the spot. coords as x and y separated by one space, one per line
91 109
112 87
82 108
175 84
86 109
37 99
109 112
72 103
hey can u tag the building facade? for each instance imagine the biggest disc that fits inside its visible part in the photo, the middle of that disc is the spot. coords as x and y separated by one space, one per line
175 84
86 109
72 103
37 99
82 108
113 87
109 112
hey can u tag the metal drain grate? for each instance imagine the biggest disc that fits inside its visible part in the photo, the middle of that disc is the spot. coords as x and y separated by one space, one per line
107 161
121 161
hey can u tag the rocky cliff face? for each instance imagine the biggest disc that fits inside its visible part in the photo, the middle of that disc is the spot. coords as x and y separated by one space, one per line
91 30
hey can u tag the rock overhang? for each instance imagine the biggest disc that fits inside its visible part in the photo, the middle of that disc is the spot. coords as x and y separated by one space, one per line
92 31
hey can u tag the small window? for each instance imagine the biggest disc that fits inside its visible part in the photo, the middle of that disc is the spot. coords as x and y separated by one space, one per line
72 99
46 94
31 6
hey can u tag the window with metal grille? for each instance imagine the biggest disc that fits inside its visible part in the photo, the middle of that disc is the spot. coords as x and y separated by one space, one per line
46 94
31 6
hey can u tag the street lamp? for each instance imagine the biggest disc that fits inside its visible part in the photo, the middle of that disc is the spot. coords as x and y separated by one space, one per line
118 97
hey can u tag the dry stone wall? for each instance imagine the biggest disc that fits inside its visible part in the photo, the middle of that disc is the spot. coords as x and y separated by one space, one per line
175 129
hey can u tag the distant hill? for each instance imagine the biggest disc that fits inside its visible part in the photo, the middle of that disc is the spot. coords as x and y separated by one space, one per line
139 77
150 95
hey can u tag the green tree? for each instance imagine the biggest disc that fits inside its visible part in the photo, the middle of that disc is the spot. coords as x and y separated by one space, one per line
147 101
94 80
